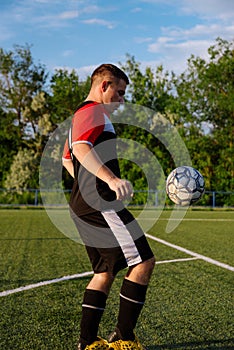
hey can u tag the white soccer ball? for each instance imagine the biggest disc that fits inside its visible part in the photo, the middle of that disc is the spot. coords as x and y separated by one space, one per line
185 185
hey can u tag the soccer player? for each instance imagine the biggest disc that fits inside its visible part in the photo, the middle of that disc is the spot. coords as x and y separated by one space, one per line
112 237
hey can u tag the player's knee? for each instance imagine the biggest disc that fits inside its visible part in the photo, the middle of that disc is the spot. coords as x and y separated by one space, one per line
141 273
106 278
101 281
146 269
150 264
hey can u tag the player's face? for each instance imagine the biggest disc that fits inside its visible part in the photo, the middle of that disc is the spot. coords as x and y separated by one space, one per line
114 94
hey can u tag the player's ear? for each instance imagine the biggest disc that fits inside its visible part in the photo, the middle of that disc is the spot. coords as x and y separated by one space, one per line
105 85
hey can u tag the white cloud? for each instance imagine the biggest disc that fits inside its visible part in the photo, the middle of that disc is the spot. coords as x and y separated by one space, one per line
223 9
200 30
216 9
101 22
87 7
43 13
176 44
169 46
49 14
174 54
68 15
83 72
51 21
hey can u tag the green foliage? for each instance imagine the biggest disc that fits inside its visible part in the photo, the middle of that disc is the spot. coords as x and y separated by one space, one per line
20 80
9 141
206 88
149 89
21 175
205 99
198 104
67 92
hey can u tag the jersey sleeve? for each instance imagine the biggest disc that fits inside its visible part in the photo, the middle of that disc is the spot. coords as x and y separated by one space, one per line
66 151
88 124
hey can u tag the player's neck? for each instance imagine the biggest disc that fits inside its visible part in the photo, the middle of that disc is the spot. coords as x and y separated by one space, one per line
94 96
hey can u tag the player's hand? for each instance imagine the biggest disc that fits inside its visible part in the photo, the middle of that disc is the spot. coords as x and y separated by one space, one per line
123 188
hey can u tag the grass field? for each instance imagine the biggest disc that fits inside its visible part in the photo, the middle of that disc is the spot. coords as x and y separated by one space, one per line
189 302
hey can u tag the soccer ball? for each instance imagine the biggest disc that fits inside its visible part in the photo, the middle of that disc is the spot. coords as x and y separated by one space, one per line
185 185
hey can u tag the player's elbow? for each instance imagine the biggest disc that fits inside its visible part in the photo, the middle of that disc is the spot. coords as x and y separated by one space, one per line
68 165
64 162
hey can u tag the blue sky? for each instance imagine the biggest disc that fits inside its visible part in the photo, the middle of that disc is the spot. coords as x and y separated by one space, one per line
82 34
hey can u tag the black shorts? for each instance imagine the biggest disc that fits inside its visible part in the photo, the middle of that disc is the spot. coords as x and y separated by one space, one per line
113 240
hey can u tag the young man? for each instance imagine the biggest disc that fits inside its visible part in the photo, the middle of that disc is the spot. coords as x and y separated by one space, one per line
112 237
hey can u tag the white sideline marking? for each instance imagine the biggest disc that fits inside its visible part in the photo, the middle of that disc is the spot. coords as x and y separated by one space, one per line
88 273
190 252
66 278
45 283
175 260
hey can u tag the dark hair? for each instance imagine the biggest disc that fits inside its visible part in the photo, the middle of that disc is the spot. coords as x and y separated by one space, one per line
109 69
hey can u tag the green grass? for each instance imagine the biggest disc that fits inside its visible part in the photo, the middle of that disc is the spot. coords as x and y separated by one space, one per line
189 304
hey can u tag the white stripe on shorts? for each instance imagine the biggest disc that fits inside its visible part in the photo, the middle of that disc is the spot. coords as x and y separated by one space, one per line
123 237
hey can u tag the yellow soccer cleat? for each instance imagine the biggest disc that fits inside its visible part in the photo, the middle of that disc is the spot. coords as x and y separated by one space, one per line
118 344
99 344
126 345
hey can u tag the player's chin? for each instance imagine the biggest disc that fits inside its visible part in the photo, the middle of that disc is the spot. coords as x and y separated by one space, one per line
114 106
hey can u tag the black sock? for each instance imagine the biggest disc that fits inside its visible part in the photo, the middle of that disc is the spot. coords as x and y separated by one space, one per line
93 306
132 298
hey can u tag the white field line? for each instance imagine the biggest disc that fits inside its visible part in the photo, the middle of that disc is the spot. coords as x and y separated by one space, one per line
190 252
44 283
67 278
175 260
88 273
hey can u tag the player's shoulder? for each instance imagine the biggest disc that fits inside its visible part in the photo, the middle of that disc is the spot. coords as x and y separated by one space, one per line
88 117
84 105
89 107
90 110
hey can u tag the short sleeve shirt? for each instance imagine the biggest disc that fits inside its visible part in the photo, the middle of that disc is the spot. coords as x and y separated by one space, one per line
91 125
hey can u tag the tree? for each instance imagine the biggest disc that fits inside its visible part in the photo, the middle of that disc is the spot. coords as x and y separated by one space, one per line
205 103
20 81
198 104
153 89
22 169
10 141
67 92
205 90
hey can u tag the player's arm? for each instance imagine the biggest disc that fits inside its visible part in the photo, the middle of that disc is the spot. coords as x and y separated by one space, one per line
87 156
66 159
67 163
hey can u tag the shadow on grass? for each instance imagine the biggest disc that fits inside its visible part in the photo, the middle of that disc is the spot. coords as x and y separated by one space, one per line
227 344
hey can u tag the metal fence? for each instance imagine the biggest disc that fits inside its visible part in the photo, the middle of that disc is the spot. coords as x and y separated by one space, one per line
151 198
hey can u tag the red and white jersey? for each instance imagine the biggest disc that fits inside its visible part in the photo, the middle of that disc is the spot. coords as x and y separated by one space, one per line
91 125
89 122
